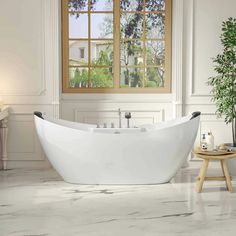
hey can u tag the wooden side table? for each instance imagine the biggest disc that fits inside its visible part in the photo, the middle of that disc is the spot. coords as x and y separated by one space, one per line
207 156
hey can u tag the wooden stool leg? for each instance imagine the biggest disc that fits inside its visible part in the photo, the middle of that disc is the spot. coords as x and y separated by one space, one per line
221 163
227 176
202 175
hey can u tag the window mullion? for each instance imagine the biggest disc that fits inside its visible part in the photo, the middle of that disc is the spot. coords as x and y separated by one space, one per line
65 47
89 45
116 46
167 40
144 44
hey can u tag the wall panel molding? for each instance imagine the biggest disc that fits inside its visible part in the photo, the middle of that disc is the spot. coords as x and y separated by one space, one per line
192 51
52 52
40 89
117 98
101 116
29 91
177 59
23 141
202 23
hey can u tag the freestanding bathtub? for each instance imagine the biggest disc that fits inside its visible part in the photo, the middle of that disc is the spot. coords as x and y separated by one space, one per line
84 154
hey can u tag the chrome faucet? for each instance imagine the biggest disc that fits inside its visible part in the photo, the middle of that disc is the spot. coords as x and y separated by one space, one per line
127 116
119 112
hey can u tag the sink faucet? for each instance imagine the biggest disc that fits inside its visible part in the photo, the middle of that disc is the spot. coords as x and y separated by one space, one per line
119 112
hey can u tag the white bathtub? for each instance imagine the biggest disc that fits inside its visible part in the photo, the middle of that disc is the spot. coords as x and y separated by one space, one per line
84 154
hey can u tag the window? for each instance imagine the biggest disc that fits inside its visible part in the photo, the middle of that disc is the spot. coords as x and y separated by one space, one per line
124 46
81 50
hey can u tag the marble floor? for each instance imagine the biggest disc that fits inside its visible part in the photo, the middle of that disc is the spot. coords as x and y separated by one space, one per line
39 203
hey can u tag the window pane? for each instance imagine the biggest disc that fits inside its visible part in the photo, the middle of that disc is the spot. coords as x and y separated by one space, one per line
155 53
131 53
78 53
75 5
101 5
154 77
90 45
131 77
78 25
102 53
102 25
131 25
101 77
131 5
155 24
155 5
78 77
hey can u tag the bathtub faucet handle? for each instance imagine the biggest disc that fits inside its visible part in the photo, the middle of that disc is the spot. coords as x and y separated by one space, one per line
127 116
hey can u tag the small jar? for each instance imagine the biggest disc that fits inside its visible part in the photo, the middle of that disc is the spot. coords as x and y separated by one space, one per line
210 141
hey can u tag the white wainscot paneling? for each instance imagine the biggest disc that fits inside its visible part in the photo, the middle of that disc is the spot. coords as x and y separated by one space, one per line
23 143
111 116
29 73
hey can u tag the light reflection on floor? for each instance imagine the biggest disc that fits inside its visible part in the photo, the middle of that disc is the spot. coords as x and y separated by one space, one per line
39 203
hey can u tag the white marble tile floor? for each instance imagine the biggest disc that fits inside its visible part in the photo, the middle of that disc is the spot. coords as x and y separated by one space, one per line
39 203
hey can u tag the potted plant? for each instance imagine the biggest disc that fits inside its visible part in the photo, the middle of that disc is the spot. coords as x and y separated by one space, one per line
224 83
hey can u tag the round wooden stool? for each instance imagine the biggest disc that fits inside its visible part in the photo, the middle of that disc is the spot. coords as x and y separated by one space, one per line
207 156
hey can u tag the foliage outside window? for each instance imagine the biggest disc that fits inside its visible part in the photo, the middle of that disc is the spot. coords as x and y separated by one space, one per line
126 45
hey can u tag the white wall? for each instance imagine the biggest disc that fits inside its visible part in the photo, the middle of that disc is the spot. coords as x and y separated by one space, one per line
196 31
201 40
29 73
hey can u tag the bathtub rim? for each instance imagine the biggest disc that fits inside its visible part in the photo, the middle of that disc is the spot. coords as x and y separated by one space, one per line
87 128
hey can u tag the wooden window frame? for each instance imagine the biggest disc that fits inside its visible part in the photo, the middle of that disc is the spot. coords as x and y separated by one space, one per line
116 61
